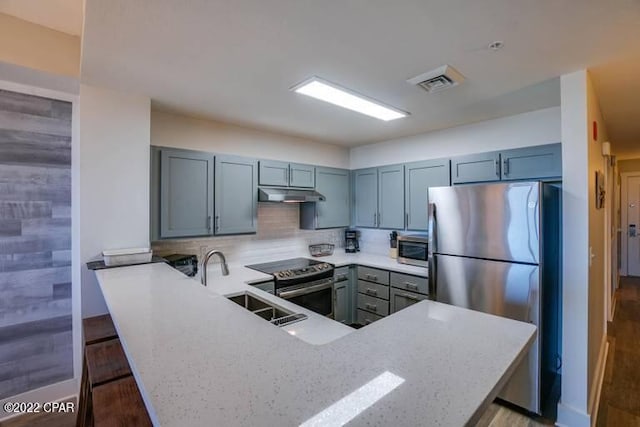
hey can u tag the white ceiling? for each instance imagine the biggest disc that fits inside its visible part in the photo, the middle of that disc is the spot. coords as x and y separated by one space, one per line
60 15
236 60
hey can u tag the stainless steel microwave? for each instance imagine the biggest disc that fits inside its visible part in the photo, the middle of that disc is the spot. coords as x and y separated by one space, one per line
413 249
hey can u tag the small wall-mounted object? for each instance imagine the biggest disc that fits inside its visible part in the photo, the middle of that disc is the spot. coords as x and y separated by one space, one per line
600 190
632 230
606 149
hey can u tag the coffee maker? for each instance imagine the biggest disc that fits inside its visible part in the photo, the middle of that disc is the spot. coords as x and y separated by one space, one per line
351 244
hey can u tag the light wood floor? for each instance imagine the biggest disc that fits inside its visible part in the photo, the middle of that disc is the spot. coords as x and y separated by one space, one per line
501 416
620 396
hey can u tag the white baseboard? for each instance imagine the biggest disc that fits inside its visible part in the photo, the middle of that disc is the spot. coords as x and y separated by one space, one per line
596 388
572 417
51 393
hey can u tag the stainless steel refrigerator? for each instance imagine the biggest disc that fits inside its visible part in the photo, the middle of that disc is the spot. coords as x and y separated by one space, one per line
496 248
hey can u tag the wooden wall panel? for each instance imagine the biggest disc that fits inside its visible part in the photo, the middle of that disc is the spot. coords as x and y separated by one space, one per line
35 242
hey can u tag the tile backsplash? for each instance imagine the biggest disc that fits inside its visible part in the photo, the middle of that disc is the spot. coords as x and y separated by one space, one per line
374 241
278 236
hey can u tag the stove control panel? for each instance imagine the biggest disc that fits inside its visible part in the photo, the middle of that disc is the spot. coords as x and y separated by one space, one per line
300 272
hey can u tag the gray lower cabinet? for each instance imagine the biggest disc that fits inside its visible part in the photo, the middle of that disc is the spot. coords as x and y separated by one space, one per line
236 187
186 193
409 282
402 299
373 294
365 185
372 274
418 177
391 197
364 317
373 289
343 295
334 211
274 173
540 162
375 305
483 167
303 176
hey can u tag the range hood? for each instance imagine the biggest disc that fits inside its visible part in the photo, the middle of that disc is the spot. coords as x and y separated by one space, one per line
289 195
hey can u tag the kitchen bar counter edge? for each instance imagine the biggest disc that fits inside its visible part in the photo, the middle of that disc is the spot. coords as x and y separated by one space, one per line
188 346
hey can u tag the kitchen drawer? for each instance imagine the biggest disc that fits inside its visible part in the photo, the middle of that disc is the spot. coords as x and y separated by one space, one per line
373 289
364 317
373 304
403 299
373 275
410 283
341 273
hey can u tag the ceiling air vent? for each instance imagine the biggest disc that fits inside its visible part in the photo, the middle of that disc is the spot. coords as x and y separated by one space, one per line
439 79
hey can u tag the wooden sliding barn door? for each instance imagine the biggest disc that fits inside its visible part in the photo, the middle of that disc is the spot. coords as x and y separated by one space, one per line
35 242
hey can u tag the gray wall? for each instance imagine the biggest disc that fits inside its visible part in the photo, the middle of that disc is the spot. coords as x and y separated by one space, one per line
35 243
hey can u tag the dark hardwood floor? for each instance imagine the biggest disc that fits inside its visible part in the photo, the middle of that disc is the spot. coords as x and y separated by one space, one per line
620 397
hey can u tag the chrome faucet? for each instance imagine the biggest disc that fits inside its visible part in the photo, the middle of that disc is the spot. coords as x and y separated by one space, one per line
205 262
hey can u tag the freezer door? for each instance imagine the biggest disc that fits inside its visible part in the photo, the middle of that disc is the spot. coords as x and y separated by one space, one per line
493 221
504 289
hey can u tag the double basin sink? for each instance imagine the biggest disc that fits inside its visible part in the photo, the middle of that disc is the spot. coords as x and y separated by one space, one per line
272 313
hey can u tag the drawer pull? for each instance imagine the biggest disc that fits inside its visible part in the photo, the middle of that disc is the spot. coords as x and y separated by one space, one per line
367 321
371 307
372 277
411 297
372 292
341 277
411 285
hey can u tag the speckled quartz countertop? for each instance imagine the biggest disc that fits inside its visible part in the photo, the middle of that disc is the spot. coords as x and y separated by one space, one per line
201 360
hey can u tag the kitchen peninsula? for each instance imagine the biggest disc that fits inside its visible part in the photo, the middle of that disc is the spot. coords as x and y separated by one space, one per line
200 359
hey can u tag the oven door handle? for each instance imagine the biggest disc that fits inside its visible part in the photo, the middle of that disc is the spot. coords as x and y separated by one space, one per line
306 290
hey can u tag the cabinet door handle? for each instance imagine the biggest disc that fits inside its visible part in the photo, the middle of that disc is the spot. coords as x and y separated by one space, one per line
506 166
374 219
217 224
406 216
209 222
379 219
411 285
371 307
372 292
498 167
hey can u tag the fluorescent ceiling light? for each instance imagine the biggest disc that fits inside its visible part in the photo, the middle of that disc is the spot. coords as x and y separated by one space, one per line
342 97
355 403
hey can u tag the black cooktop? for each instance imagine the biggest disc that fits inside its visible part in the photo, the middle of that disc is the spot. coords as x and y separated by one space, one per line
286 264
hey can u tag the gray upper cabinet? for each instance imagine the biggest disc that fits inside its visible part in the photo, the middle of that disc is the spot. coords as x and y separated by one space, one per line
391 197
365 183
540 162
274 173
334 211
283 174
418 177
236 186
302 176
483 167
186 193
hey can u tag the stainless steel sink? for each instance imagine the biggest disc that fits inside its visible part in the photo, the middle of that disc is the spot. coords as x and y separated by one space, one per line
274 314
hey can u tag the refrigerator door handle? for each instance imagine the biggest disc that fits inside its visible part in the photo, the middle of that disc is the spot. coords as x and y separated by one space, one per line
431 247
431 229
